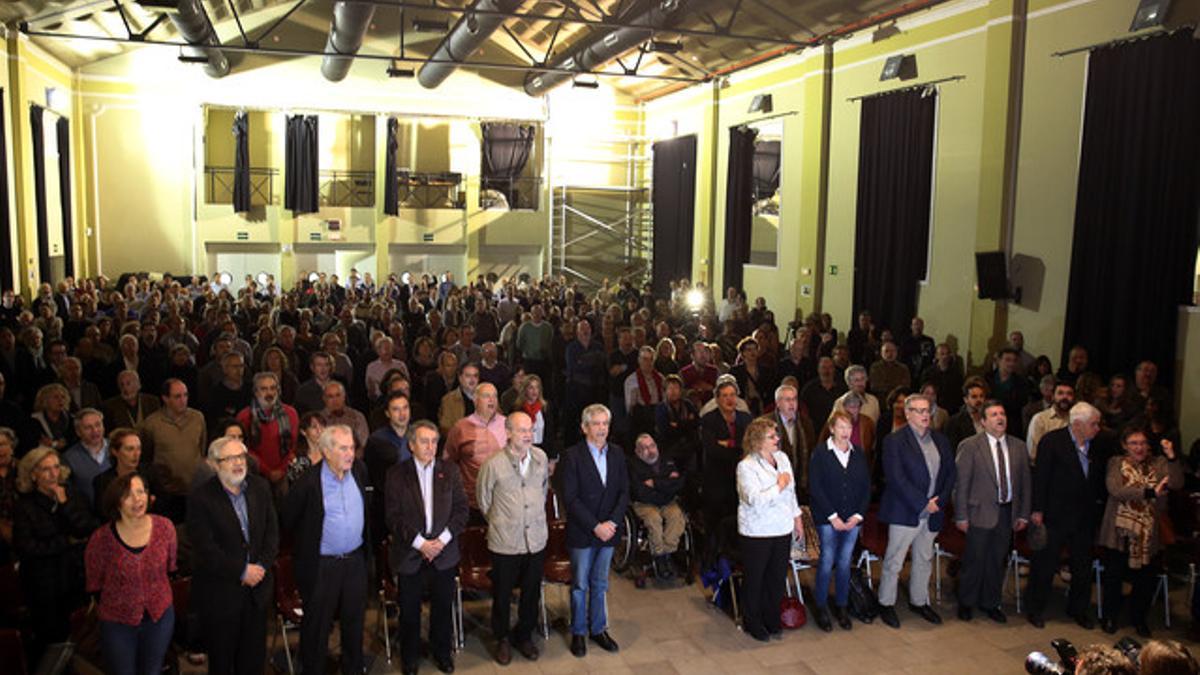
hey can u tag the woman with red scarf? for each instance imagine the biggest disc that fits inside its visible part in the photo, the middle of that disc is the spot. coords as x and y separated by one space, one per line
644 390
531 403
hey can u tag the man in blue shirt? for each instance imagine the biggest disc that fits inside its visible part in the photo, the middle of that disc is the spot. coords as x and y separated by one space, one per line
325 510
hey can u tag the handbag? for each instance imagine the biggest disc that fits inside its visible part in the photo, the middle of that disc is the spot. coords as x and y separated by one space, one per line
808 548
792 614
864 604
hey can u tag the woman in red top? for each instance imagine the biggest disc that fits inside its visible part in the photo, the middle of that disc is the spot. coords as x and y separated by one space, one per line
127 562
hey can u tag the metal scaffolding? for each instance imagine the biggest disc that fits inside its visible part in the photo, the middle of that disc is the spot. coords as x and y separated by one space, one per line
601 233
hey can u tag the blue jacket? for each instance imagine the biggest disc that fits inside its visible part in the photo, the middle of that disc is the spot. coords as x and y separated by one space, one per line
906 479
588 501
832 489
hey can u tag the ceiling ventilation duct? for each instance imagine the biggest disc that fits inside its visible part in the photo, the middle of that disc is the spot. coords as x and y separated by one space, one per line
471 31
350 23
193 25
604 45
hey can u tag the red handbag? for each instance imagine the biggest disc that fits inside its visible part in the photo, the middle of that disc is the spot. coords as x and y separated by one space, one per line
792 614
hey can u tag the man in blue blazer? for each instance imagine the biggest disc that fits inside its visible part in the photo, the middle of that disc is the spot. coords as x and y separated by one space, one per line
919 471
595 489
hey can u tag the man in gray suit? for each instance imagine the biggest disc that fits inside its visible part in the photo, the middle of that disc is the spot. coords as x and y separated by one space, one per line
991 500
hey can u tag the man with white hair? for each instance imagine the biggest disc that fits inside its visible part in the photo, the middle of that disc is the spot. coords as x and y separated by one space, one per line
796 434
1069 496
856 381
130 406
233 528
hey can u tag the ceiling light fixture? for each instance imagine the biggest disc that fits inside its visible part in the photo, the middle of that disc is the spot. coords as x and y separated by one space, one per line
666 47
429 26
585 84
393 71
193 58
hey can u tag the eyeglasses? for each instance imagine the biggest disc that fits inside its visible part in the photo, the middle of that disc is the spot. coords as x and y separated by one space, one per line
920 411
240 457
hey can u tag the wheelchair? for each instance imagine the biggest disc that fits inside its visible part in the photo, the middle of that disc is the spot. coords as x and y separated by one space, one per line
631 555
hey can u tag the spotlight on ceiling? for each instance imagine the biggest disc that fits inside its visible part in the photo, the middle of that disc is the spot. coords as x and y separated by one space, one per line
666 47
761 103
585 84
900 66
429 26
1150 13
393 71
884 32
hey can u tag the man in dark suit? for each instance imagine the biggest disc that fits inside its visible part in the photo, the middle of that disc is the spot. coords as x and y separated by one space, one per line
130 406
235 533
426 513
326 511
918 467
721 432
991 500
796 437
1068 498
595 489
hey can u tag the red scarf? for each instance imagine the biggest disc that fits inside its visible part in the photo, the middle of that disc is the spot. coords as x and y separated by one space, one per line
644 387
532 409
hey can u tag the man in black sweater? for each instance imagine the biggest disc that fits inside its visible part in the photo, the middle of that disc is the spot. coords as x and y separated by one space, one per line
654 486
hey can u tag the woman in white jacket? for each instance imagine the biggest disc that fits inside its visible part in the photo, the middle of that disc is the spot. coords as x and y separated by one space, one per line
768 514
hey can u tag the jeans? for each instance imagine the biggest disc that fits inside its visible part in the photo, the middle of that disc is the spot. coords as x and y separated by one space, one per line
140 649
837 548
589 583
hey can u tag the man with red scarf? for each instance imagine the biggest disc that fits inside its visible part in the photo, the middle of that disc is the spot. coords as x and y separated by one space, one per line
644 389
271 429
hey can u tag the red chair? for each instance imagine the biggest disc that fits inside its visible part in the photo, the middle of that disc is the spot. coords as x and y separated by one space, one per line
474 573
288 606
873 537
950 543
556 566
12 652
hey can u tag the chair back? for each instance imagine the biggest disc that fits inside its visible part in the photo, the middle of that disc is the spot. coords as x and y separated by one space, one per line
383 570
874 533
556 566
287 595
475 565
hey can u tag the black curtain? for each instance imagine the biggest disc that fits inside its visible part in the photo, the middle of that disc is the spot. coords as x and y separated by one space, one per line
766 169
1136 210
301 187
391 188
63 132
739 205
6 236
241 163
506 149
36 112
674 202
891 231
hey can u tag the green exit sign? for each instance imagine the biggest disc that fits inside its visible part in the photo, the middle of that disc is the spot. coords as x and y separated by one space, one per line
833 269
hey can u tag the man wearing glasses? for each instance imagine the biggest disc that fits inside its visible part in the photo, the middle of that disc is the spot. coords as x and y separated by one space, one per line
919 472
234 531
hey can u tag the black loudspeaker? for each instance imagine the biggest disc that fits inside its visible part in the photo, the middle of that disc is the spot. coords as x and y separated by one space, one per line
991 273
900 66
1150 13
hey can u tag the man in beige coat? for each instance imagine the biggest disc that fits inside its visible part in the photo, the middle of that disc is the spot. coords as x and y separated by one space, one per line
991 500
511 492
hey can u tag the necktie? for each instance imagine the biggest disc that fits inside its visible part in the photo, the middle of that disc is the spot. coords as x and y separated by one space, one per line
1001 461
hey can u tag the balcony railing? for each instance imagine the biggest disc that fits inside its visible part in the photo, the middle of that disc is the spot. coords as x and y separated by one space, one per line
347 188
443 190
517 194
218 185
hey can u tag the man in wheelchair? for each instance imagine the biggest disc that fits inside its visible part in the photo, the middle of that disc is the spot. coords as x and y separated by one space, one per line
655 484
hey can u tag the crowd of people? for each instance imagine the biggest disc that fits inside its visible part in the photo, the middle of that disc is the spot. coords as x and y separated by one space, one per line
152 430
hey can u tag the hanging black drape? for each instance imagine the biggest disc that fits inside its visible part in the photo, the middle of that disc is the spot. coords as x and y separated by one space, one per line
674 201
1137 206
63 132
506 149
891 232
391 187
766 169
301 187
36 113
6 236
241 163
739 204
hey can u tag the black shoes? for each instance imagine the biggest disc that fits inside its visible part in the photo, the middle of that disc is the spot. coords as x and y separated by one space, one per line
1143 630
887 614
579 646
821 616
964 613
996 614
606 642
926 612
1108 625
843 619
1036 620
1085 622
528 650
503 653
410 670
445 665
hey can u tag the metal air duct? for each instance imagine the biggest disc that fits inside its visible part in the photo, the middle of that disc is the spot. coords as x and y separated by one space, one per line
346 33
471 31
605 45
193 25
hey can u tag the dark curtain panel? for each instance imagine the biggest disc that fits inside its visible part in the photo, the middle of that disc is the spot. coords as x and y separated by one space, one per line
674 202
506 149
1136 211
301 187
63 131
36 113
739 205
241 163
391 188
766 169
891 232
7 241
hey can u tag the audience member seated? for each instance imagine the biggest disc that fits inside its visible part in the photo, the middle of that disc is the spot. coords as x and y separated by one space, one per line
654 487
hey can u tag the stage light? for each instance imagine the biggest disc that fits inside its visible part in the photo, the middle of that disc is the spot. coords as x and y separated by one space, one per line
585 84
902 66
665 47
695 300
1150 13
429 26
393 71
761 103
